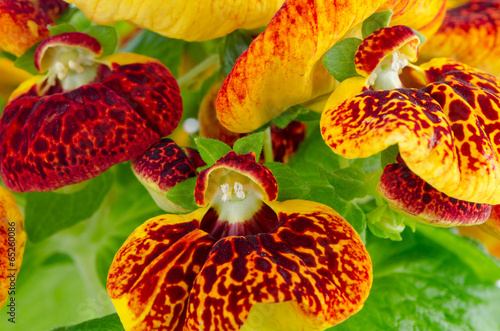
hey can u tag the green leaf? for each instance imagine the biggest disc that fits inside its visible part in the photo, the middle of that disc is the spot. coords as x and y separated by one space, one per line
182 194
376 21
27 60
50 212
295 113
388 156
234 44
167 50
356 217
339 60
8 56
349 183
420 36
211 150
290 184
61 28
107 37
431 280
106 323
251 143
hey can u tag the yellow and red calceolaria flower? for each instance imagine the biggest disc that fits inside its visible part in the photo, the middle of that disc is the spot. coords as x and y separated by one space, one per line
242 261
23 23
84 115
469 34
445 123
283 65
12 241
191 20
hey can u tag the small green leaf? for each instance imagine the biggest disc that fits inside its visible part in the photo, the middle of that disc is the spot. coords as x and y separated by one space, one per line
107 37
290 184
169 51
326 195
27 60
295 113
251 143
234 44
61 28
375 22
211 150
8 56
349 183
356 217
50 212
420 36
388 156
182 194
339 60
107 323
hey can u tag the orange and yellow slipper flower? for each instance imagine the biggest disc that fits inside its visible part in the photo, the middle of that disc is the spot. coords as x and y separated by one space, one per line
448 170
12 241
242 261
191 20
23 23
283 66
469 34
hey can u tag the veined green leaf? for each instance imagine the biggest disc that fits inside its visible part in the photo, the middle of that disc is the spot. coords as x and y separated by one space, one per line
61 28
182 194
251 143
106 323
234 44
290 184
27 60
107 37
349 183
339 60
211 150
376 21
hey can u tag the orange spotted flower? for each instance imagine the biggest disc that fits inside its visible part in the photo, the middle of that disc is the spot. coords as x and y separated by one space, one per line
23 23
85 114
283 65
470 33
242 261
12 241
445 123
190 20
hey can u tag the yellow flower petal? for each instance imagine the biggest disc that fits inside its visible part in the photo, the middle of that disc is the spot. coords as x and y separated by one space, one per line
190 20
12 241
283 65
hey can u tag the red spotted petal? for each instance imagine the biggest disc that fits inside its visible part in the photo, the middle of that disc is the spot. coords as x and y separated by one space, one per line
22 24
314 260
383 42
162 167
152 274
208 179
61 139
407 192
53 8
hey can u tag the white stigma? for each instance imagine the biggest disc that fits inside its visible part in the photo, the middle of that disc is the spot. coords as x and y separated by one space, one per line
61 70
227 191
75 66
397 63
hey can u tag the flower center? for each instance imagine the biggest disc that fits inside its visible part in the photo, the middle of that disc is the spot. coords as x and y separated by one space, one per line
386 75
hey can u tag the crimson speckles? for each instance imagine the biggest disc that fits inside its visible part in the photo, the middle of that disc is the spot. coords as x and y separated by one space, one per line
84 131
243 164
409 193
383 43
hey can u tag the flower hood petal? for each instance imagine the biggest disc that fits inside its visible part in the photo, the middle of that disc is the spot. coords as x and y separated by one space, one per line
447 132
283 66
190 20
469 34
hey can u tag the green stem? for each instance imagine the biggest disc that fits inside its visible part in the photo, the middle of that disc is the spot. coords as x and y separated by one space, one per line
268 146
187 80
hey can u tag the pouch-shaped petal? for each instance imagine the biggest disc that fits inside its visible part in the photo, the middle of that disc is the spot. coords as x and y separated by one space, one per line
447 132
408 193
51 141
470 34
152 274
283 66
190 20
312 270
12 241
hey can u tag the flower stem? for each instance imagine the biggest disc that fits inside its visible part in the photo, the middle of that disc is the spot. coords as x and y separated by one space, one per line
268 146
188 79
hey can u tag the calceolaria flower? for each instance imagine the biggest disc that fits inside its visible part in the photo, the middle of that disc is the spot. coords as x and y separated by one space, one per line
283 65
242 261
469 34
23 23
444 122
190 20
12 241
84 114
